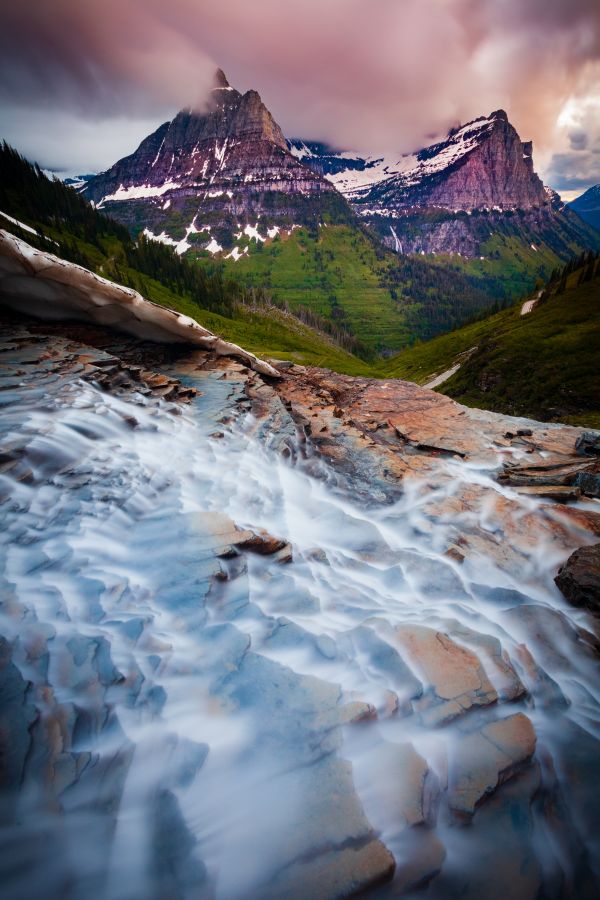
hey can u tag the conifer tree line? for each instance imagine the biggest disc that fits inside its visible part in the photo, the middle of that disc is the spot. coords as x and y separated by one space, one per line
588 265
70 225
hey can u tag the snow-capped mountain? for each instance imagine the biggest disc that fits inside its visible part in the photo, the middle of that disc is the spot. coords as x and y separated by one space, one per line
212 177
452 196
481 165
225 179
587 205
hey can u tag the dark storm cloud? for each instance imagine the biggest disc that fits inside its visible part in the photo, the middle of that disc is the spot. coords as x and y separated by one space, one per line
371 74
578 140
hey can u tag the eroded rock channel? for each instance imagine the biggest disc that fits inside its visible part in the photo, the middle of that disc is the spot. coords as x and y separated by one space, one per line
294 638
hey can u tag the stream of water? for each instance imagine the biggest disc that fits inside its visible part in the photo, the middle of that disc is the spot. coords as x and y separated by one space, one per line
190 721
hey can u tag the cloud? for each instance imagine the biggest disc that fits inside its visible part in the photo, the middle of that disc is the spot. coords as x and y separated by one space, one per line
369 74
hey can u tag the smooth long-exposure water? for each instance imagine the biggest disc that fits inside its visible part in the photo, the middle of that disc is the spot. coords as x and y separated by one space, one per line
190 720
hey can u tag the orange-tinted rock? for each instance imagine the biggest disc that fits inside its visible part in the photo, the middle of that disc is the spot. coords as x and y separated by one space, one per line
456 678
483 760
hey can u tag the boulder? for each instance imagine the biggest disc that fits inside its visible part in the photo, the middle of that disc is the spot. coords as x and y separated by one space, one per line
579 578
588 443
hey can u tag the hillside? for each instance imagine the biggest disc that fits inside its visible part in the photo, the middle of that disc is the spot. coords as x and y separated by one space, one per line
53 217
587 205
542 364
471 202
384 301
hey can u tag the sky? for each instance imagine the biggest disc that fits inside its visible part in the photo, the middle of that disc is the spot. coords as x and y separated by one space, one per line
83 81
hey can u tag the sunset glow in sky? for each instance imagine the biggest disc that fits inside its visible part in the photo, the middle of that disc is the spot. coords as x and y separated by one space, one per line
83 82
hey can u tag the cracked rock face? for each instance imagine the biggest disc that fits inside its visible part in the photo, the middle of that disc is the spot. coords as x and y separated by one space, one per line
217 169
483 760
248 666
579 578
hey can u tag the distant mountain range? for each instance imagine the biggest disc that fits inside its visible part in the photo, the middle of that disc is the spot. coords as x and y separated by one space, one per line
223 180
587 205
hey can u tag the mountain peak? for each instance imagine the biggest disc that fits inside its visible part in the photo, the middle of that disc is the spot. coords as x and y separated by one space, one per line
499 114
220 81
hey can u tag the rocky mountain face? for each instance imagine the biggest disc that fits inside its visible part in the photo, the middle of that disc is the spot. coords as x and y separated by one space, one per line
224 179
452 196
483 165
210 176
588 206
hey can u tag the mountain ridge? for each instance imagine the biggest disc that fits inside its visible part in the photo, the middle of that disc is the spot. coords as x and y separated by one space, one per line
587 206
208 175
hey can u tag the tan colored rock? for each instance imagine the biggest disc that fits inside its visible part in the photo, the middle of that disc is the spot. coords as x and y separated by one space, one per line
262 542
483 760
405 791
357 711
456 678
420 858
46 286
563 493
339 873
498 665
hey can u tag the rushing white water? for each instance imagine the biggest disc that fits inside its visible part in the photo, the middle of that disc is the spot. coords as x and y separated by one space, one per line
184 701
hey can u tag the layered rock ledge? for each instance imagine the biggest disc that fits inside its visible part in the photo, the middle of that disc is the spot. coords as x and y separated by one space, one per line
43 285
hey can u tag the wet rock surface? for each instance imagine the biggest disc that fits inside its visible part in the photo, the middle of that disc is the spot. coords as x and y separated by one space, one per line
579 578
377 715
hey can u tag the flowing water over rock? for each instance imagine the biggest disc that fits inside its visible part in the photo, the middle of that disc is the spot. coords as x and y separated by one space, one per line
369 707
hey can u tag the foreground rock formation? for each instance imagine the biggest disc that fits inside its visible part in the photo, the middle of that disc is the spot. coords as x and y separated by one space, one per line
44 285
291 635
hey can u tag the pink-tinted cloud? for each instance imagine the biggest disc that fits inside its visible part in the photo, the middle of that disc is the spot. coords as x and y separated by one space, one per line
368 74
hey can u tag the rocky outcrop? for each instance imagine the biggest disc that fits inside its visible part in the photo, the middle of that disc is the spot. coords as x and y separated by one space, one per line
46 286
205 179
320 728
579 578
481 165
452 196
484 759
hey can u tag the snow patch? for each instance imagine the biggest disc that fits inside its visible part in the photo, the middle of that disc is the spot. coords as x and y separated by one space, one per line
20 224
236 253
140 192
213 247
251 231
181 246
439 379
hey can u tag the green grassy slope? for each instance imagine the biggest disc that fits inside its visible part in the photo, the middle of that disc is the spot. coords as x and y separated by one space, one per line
264 330
69 227
335 273
544 364
339 272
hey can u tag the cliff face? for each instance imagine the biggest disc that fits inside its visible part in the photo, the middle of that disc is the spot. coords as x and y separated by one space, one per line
482 165
210 175
454 196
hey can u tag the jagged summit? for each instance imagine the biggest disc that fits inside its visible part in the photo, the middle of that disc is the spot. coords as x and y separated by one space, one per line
218 170
220 81
482 164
